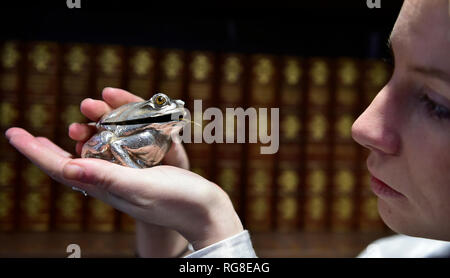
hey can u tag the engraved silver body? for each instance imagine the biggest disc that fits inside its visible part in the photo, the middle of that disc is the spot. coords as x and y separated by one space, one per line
137 134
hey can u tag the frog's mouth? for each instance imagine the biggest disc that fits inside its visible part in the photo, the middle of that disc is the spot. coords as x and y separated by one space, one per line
173 117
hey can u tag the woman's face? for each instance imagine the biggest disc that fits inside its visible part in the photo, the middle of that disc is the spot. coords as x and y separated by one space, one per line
407 126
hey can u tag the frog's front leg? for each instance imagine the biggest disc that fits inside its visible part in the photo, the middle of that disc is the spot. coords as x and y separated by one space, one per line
98 146
133 147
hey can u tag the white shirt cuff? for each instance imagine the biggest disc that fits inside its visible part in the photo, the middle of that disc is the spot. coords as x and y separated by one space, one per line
237 246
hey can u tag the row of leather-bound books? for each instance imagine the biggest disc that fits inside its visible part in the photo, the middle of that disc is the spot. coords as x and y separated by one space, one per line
316 181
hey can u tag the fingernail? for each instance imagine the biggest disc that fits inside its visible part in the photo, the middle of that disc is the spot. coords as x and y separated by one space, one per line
72 172
8 133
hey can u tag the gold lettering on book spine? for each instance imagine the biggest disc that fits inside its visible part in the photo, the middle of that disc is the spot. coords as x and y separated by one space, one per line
33 204
172 65
347 72
8 114
7 173
288 181
343 208
72 114
317 180
227 179
288 208
292 72
69 205
370 208
141 62
318 126
34 177
109 60
200 67
316 207
319 72
10 55
40 57
291 126
263 71
38 115
344 181
232 69
100 210
7 204
378 74
76 59
259 209
260 181
344 126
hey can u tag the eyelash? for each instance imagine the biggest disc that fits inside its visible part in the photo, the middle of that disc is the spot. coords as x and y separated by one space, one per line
438 111
435 110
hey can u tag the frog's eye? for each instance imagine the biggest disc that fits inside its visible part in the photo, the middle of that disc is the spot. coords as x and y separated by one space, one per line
160 100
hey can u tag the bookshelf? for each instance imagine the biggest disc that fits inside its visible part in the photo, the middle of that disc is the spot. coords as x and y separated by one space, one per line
122 245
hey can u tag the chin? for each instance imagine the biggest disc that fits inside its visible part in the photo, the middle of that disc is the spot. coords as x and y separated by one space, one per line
396 220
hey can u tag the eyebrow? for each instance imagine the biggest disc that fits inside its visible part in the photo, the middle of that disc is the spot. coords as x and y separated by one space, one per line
432 72
424 70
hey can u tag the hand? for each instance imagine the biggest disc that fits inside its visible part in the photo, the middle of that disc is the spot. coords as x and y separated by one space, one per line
151 240
167 196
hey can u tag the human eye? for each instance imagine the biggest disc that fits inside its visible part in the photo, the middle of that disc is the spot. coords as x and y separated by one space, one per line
434 109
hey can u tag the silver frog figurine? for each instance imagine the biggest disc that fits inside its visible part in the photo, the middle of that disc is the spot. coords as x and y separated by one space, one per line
137 134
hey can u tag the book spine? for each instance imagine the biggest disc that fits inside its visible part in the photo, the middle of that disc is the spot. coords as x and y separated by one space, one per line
40 102
317 145
171 73
375 75
259 214
11 80
230 160
200 76
109 68
344 176
142 65
127 223
76 79
289 180
100 217
141 73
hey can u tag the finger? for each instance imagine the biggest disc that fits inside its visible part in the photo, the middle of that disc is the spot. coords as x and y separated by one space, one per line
94 109
97 174
49 144
81 132
117 97
176 156
45 158
52 163
79 147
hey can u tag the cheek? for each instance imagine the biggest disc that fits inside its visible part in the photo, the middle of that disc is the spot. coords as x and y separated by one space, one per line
427 151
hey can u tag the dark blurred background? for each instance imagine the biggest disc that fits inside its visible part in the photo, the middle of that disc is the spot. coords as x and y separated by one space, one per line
305 28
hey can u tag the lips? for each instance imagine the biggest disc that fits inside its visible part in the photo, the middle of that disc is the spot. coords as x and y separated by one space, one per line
383 190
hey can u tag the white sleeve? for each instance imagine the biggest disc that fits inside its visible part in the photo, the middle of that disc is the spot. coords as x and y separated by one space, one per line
237 246
402 246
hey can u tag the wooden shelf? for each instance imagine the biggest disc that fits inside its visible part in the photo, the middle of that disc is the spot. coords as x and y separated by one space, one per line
122 245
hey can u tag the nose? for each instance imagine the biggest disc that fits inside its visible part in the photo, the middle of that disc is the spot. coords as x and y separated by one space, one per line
377 127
